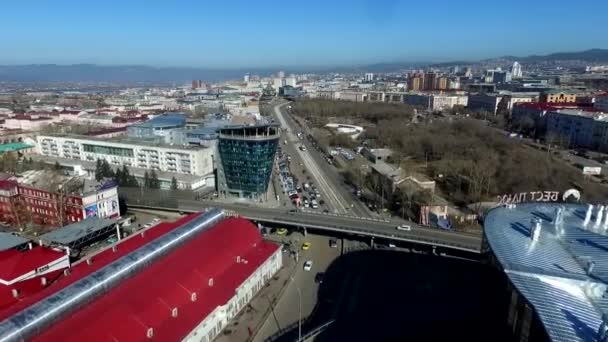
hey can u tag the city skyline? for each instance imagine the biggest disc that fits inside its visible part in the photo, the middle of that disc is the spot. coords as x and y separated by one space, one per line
239 35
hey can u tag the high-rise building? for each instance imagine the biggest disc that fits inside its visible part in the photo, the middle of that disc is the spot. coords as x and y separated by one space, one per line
278 83
281 74
430 80
369 77
246 78
291 81
468 72
442 83
246 156
516 70
415 82
197 84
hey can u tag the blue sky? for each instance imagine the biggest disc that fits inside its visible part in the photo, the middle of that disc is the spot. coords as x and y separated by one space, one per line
228 34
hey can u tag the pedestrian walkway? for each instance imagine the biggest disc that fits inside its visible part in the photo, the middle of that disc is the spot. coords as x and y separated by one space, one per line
251 318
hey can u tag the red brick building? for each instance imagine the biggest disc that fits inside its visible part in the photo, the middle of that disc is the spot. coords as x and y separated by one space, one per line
44 198
9 197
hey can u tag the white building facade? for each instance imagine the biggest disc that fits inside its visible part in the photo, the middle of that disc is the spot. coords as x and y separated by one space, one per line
178 159
212 325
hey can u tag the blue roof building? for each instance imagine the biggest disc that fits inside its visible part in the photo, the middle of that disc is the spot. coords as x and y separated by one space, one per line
555 261
166 127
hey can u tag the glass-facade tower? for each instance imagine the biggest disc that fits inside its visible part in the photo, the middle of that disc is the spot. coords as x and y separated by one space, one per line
246 156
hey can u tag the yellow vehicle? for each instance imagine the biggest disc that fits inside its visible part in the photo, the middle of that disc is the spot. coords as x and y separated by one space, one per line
306 246
281 231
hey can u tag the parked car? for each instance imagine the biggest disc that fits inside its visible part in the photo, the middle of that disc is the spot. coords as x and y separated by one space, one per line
308 265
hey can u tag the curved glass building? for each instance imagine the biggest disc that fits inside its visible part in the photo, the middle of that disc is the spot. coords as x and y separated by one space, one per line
246 156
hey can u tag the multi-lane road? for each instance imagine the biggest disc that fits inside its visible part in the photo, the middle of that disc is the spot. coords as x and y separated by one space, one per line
338 199
346 225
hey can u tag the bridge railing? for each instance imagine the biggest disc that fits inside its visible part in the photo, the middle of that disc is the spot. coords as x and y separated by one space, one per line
301 221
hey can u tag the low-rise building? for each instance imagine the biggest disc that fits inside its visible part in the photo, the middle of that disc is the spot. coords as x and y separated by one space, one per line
578 128
48 198
601 102
537 113
484 102
388 178
192 298
187 159
509 99
162 127
558 96
377 154
28 122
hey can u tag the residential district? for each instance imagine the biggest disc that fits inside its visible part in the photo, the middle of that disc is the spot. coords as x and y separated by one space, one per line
257 209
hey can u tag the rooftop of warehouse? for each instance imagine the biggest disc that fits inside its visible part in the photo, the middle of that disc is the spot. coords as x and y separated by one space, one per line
32 291
125 312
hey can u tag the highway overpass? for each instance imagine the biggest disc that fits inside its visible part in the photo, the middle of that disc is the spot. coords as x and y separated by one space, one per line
365 227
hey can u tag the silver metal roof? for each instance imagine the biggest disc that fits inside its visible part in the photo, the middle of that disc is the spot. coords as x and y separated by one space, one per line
76 231
8 241
551 272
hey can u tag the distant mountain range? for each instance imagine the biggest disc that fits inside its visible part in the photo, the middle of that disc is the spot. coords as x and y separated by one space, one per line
589 56
140 73
593 56
115 73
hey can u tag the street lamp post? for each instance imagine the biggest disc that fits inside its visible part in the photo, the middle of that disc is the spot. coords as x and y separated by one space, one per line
299 310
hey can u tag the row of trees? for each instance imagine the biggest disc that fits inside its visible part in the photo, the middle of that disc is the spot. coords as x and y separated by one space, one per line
124 178
11 162
320 111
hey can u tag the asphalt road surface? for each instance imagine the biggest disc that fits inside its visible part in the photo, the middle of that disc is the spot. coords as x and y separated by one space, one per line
337 203
340 199
358 226
287 308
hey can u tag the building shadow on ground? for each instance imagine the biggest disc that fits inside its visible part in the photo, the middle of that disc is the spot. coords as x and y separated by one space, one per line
384 295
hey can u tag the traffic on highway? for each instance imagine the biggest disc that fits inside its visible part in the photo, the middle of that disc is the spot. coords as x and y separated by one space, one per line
319 186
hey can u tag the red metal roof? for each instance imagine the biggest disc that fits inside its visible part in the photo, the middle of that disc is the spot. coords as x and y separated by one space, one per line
146 300
550 106
14 263
6 184
9 306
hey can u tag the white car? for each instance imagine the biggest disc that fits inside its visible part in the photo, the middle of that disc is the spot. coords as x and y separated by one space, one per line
308 265
404 227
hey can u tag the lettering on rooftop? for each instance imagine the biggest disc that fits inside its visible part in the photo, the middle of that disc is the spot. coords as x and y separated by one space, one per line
539 196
